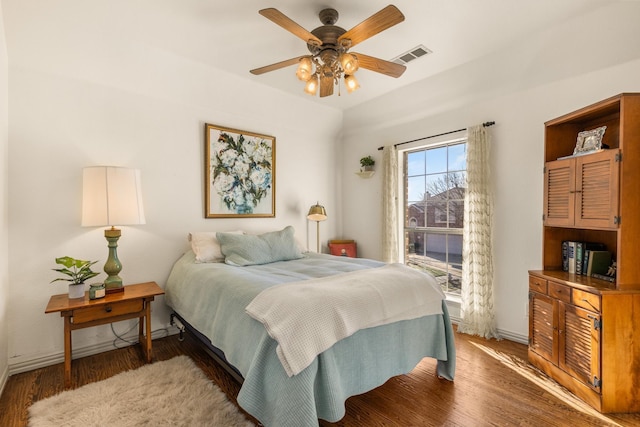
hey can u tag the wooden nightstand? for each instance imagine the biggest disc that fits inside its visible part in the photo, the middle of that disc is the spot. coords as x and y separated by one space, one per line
78 313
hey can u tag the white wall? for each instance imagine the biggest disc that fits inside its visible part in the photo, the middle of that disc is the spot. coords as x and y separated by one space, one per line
559 71
4 284
146 109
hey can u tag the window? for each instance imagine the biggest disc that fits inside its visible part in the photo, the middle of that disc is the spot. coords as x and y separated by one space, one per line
434 187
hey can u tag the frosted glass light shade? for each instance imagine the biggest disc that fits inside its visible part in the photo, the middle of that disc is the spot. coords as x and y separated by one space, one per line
305 69
349 63
312 85
111 196
351 83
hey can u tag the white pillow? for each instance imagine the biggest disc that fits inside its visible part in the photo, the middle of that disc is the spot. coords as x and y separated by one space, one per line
206 246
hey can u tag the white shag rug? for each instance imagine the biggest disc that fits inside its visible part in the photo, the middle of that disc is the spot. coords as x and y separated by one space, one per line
170 393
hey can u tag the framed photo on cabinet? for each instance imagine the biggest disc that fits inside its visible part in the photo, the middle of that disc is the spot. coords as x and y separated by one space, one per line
589 141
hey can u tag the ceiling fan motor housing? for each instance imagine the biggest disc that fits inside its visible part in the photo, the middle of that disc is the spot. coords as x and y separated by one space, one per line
328 32
328 16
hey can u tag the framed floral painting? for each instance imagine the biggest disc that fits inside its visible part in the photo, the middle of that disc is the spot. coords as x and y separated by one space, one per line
240 174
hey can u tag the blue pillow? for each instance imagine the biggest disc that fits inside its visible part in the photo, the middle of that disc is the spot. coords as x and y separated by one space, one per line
247 249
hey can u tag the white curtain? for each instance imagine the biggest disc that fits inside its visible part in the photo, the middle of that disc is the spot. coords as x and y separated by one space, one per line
477 253
390 204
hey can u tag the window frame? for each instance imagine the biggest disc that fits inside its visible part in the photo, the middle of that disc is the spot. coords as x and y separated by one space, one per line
403 219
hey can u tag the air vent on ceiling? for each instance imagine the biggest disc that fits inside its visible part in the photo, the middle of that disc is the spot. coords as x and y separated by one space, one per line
411 54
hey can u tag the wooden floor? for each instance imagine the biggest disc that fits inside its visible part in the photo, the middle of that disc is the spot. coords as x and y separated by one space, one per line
493 387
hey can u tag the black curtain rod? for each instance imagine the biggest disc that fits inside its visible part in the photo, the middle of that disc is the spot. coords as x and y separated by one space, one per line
485 124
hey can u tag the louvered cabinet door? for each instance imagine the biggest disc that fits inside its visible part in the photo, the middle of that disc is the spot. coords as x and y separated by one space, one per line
543 326
559 192
597 190
579 346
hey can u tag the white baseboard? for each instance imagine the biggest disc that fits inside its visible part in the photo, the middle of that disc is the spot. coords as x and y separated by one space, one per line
58 357
514 336
454 315
507 335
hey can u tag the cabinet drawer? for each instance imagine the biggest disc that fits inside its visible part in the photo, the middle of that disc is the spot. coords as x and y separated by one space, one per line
107 310
537 284
560 291
586 300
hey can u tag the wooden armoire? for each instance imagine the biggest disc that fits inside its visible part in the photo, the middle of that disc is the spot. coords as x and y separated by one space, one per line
585 332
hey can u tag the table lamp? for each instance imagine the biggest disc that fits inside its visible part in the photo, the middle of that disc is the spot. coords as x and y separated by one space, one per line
111 196
317 213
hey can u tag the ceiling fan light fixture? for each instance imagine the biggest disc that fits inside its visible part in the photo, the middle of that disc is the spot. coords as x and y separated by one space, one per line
312 85
305 69
349 63
351 82
330 60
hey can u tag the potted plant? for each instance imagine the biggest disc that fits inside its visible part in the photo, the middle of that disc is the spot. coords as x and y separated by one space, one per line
367 163
77 271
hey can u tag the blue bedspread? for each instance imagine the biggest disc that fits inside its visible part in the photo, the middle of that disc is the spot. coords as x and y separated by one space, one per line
212 298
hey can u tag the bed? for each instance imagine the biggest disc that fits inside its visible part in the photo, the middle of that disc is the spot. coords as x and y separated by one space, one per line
217 298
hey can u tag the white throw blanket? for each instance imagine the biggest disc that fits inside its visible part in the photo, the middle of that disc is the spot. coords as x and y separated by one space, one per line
308 317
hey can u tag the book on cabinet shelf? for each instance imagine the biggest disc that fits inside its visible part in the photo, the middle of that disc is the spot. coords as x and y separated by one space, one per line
598 263
571 256
587 247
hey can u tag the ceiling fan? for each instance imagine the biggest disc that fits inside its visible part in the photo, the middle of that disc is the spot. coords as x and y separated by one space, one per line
329 46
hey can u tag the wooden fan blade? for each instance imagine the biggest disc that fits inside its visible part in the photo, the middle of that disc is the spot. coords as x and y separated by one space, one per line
326 86
285 22
277 65
380 65
376 23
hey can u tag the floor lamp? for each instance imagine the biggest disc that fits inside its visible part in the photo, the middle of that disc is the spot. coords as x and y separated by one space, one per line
317 213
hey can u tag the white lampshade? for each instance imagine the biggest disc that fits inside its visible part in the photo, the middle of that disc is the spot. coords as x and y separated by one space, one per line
111 196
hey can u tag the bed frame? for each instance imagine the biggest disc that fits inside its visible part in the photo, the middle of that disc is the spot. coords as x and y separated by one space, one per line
216 354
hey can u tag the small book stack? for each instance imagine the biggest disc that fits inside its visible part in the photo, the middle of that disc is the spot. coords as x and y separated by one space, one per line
586 258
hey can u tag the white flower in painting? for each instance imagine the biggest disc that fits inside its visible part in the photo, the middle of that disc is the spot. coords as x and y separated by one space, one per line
223 183
260 177
249 146
262 153
241 166
228 158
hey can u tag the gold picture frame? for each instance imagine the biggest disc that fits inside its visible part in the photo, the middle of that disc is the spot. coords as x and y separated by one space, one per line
240 173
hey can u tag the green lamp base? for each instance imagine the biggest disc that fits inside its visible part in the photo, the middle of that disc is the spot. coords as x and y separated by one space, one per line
112 267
